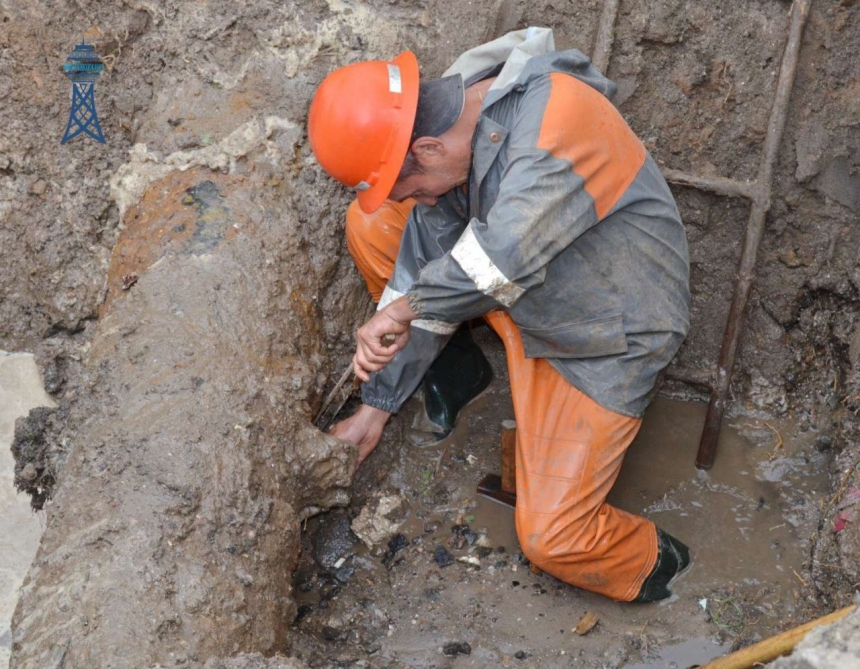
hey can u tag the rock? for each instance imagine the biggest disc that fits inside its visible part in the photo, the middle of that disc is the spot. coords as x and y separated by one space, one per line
521 655
442 557
457 648
834 645
379 519
462 535
334 541
396 544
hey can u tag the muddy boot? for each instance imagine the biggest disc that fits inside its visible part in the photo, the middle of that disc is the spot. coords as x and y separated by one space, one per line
673 557
457 377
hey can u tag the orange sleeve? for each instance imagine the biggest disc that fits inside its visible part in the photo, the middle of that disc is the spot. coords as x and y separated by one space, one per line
582 126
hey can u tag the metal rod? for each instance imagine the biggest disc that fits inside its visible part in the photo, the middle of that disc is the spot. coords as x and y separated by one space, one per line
343 379
718 185
323 424
755 228
605 35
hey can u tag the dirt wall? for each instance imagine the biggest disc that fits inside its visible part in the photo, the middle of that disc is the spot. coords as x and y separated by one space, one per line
174 528
223 88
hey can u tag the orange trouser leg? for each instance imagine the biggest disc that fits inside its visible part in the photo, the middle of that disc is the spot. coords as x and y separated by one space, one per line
569 449
569 453
374 239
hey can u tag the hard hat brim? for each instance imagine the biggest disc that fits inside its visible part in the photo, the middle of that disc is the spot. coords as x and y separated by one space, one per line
372 198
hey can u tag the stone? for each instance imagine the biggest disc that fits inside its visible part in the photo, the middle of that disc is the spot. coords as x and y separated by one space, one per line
379 519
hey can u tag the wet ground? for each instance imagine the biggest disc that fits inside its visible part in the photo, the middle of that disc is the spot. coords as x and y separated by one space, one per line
440 594
20 529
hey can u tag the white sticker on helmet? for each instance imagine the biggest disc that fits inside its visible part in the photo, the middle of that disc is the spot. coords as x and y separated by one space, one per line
394 83
361 185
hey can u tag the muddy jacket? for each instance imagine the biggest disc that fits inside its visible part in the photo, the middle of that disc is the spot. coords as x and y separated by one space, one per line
568 226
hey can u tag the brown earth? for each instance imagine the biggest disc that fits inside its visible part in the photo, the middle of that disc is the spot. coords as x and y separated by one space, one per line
222 89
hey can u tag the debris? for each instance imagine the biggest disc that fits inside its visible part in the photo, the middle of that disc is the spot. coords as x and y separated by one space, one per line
375 524
521 655
704 603
457 648
462 535
841 522
586 623
128 280
333 542
442 557
778 445
470 559
396 544
537 571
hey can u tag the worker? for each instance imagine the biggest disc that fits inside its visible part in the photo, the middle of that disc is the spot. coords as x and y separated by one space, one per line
537 208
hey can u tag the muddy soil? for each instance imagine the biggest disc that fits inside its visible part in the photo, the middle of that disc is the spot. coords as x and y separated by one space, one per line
224 88
196 465
450 570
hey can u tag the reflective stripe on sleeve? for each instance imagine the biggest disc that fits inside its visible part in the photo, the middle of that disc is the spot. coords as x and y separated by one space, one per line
437 327
479 268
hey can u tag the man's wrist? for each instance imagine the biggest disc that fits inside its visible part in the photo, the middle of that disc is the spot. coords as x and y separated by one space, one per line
373 414
401 311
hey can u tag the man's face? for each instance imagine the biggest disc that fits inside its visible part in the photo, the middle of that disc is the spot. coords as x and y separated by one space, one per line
441 171
426 188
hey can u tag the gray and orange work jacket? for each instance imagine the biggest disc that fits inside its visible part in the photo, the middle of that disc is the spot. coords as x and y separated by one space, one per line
567 225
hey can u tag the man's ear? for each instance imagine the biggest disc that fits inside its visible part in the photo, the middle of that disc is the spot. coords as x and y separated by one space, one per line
429 150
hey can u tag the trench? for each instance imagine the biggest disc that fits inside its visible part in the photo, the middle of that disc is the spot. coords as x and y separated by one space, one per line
748 521
227 98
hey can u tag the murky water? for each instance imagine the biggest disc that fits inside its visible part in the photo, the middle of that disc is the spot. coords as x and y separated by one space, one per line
743 520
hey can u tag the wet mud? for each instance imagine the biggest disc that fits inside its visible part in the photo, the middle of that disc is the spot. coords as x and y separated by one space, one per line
189 480
451 571
204 113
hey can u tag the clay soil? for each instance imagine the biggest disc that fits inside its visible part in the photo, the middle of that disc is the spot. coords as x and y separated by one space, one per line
696 81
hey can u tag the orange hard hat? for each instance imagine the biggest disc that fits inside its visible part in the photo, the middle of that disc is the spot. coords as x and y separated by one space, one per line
360 124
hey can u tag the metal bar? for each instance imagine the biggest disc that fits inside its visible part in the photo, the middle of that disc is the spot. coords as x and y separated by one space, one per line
755 228
605 35
718 185
343 379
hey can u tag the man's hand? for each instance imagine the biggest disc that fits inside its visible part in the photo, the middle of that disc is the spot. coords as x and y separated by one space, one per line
379 340
363 428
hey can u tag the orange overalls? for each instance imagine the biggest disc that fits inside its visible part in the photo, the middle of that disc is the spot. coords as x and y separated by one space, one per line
569 448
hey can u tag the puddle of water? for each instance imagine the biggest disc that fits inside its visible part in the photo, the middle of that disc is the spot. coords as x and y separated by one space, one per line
740 519
690 653
737 518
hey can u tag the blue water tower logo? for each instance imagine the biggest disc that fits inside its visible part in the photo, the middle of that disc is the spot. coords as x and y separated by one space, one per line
83 67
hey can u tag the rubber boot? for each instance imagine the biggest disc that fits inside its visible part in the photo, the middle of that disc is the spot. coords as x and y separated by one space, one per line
457 377
673 557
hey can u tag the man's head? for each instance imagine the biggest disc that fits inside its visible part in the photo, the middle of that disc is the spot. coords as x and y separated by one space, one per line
375 129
